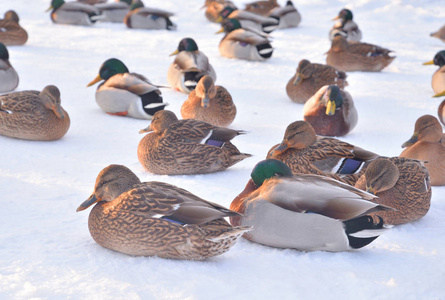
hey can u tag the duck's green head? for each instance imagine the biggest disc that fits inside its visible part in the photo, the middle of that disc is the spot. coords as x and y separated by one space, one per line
267 169
230 25
136 4
4 54
186 44
332 99
439 59
345 14
55 4
110 68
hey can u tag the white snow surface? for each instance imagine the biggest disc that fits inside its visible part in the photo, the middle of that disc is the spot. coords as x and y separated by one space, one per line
46 251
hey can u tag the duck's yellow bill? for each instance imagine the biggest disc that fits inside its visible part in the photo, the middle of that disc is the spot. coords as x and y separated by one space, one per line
95 80
175 52
330 108
48 9
431 62
220 31
440 94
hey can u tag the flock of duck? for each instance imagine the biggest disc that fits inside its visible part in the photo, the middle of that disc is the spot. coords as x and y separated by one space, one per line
326 193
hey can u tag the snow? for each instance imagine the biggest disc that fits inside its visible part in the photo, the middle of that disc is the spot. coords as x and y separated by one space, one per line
46 251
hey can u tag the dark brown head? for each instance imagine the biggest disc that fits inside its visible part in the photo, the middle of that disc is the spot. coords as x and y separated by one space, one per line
381 175
161 120
298 135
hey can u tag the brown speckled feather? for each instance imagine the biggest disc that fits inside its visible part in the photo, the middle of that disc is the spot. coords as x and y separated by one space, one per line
25 115
262 8
181 148
357 56
209 103
155 218
410 195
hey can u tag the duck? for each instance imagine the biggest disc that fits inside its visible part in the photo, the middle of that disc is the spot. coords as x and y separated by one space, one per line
182 147
305 212
428 144
189 65
357 56
142 17
209 103
440 34
331 111
262 8
33 115
156 218
114 11
242 43
249 20
310 77
306 153
9 79
441 112
92 2
73 13
287 15
400 183
345 26
11 33
214 7
126 94
438 79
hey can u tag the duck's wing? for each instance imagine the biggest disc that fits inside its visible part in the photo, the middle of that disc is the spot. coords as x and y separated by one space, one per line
145 11
318 194
165 201
132 82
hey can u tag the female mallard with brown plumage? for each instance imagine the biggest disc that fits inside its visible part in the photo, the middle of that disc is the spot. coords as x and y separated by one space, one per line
310 77
357 56
331 111
33 115
400 183
11 33
441 112
306 153
438 79
178 147
74 13
126 94
189 66
214 8
142 17
156 218
428 144
209 103
305 212
262 7
346 27
9 79
242 43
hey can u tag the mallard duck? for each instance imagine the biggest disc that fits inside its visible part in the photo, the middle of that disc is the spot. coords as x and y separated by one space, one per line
92 2
114 11
331 111
11 33
438 79
305 212
441 112
428 144
9 79
74 13
288 15
242 43
262 8
357 56
306 153
400 183
33 115
249 20
189 66
440 34
345 26
310 77
148 18
187 146
214 7
209 103
156 218
126 94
